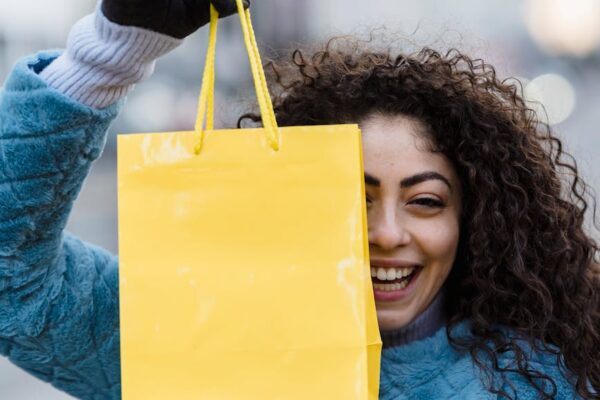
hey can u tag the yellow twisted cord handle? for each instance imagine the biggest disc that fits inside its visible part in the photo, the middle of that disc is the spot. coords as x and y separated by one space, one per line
260 82
206 100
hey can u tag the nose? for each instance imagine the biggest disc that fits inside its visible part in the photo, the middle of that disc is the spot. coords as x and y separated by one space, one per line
387 229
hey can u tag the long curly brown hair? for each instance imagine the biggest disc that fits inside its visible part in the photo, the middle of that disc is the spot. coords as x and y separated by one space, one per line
524 259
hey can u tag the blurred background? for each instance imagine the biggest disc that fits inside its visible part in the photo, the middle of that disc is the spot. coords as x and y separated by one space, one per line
552 46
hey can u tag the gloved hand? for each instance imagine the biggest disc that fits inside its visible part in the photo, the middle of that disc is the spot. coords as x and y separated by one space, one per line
176 18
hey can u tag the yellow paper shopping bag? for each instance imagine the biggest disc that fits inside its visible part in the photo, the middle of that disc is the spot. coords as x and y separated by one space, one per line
244 259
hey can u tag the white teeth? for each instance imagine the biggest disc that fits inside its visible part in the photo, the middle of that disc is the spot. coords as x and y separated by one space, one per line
390 274
389 287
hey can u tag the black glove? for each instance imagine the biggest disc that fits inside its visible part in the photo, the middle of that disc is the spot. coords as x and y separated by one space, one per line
176 18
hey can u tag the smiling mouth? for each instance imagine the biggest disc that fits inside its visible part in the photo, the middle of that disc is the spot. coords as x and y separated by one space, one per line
392 279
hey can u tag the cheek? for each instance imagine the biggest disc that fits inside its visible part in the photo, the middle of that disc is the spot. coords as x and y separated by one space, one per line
438 239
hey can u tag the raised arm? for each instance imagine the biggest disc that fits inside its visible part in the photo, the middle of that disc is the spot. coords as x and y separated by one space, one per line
59 295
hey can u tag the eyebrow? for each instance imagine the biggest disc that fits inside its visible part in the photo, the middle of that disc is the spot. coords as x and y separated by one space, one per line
412 180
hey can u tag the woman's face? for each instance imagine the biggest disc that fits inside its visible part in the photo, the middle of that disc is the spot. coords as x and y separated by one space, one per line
413 210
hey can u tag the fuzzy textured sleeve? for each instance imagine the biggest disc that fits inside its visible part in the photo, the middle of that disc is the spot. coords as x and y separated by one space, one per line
59 316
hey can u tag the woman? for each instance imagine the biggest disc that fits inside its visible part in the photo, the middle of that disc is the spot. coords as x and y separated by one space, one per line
465 193
481 269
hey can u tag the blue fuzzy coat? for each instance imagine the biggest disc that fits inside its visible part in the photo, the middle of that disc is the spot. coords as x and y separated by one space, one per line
59 316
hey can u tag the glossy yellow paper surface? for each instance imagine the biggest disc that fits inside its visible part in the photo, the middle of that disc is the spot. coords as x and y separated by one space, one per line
244 271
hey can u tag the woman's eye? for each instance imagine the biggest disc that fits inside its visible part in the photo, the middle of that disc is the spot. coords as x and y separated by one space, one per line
429 202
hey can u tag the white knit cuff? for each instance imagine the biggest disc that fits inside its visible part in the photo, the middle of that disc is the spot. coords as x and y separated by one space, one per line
103 60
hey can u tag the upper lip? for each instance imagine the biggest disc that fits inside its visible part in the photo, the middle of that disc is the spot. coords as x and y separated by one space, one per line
392 263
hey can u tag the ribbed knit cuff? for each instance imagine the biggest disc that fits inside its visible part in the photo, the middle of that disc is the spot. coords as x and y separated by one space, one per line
103 60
